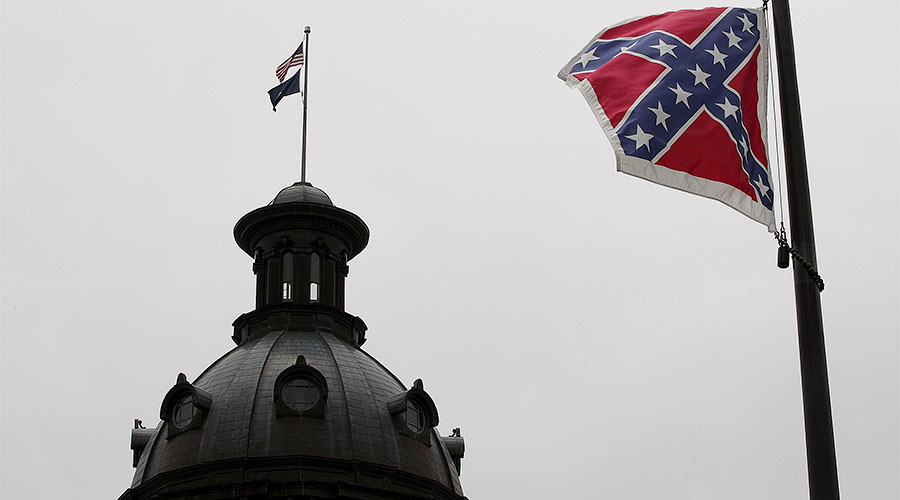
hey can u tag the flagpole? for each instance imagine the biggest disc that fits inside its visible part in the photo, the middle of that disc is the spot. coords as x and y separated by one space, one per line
305 84
820 454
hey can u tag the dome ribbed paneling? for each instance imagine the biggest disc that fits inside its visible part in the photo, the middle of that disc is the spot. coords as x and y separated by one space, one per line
241 423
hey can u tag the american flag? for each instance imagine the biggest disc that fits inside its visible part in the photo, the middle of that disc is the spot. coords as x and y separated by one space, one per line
682 98
296 59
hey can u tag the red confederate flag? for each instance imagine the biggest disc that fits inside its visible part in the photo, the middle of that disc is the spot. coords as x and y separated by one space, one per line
681 96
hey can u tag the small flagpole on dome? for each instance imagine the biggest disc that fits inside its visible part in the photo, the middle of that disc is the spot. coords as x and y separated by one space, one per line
305 84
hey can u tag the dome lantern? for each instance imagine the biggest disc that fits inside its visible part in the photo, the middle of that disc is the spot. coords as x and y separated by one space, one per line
301 245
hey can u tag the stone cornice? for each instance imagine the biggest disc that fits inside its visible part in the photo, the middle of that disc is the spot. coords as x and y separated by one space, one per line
362 481
335 221
291 316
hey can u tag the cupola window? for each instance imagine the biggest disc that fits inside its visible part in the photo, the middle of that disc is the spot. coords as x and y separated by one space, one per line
287 276
300 391
315 276
184 408
414 413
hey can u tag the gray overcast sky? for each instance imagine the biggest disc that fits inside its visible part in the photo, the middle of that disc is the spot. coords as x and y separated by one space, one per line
594 335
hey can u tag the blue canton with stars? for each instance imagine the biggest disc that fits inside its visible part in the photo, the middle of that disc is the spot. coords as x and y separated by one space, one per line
695 79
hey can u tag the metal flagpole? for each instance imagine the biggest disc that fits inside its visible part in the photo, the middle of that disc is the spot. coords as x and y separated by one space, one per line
820 455
305 84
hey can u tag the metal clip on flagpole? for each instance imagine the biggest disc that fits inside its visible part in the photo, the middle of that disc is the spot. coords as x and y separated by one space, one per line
786 252
305 84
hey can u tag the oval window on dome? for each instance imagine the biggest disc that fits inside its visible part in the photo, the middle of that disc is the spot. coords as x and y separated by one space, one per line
300 393
184 411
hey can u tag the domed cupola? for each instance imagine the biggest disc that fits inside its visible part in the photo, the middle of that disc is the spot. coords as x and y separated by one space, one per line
297 410
300 244
302 192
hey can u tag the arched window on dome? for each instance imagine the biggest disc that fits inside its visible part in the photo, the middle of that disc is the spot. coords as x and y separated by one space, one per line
287 276
315 276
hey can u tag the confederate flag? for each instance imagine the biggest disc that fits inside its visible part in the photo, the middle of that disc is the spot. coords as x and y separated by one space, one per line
681 96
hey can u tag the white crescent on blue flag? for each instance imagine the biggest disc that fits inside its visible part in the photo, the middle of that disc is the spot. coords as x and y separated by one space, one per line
682 98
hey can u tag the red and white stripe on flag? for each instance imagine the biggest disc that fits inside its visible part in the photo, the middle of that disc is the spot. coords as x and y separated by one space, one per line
296 59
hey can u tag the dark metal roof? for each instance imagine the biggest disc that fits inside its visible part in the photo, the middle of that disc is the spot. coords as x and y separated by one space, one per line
302 192
301 207
242 425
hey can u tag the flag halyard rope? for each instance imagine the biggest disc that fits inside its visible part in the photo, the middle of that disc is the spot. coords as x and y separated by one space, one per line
784 248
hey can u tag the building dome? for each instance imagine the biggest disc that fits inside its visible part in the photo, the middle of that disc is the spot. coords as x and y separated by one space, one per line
243 435
297 409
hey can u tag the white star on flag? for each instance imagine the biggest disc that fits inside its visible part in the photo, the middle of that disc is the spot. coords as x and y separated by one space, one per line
718 57
661 115
641 138
728 108
699 76
681 95
748 24
763 189
743 144
733 40
587 57
665 48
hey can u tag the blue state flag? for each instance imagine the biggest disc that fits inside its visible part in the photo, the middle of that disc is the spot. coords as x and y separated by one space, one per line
291 86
